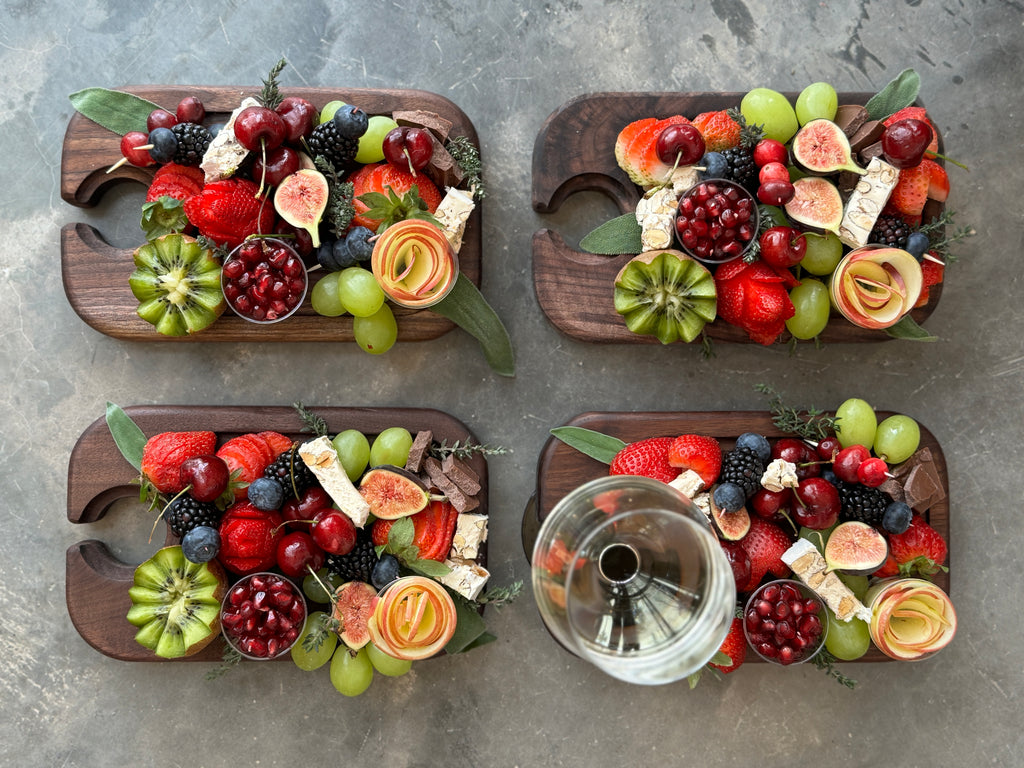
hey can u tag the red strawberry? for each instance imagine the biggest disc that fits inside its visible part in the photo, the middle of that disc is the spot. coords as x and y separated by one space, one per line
228 211
917 113
640 159
734 646
931 274
378 177
911 192
164 454
918 551
249 538
249 455
277 443
719 130
938 181
626 137
647 458
764 543
177 181
701 454
753 297
434 529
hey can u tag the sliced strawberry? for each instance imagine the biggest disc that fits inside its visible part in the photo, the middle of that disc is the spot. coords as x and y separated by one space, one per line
720 131
249 538
931 272
177 181
646 458
644 166
910 194
164 453
734 646
277 443
230 210
699 453
246 455
626 137
938 180
434 529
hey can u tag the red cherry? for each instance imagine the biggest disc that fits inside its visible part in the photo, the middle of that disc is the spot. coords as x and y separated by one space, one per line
280 163
848 461
298 512
770 151
680 141
160 118
739 561
334 532
767 503
905 141
828 447
299 116
208 476
190 110
817 503
776 192
130 144
408 148
256 126
298 553
873 472
773 172
782 247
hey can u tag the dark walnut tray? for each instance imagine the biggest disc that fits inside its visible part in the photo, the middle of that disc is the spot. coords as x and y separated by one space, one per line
98 476
95 274
560 469
574 152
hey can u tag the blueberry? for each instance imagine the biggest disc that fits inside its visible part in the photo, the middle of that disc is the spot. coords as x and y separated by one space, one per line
266 494
897 517
917 244
215 129
715 165
201 544
165 144
829 475
358 242
343 254
351 122
325 256
385 571
758 444
729 497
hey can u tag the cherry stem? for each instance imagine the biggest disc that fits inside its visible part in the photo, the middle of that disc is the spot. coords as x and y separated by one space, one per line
159 517
408 159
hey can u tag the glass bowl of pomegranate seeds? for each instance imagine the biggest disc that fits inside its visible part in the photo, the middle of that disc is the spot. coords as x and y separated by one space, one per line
264 280
716 221
784 622
262 616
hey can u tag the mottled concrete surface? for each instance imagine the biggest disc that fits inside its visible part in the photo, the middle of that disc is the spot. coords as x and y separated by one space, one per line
521 701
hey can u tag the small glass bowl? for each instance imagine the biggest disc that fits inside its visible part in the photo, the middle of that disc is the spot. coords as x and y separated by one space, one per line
255 272
699 226
794 644
267 626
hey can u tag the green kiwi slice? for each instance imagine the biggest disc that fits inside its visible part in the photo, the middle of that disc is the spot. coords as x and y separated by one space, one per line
176 603
666 294
177 283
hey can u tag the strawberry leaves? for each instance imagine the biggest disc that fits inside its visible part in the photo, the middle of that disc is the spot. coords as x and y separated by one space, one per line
390 208
400 544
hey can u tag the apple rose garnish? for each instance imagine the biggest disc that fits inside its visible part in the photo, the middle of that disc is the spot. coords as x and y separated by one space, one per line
414 619
873 287
910 618
414 263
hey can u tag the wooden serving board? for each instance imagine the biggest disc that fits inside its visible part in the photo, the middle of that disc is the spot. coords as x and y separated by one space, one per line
561 469
574 152
95 274
97 583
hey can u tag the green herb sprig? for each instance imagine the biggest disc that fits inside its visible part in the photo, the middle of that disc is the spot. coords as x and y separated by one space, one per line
311 422
809 424
463 451
229 661
270 95
827 662
467 156
340 209
939 240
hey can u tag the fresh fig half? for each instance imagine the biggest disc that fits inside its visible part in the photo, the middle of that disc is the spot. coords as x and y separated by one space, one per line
822 147
816 203
392 492
301 200
732 526
856 548
354 604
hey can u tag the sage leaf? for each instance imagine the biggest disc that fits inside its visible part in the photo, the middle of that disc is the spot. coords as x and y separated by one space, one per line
483 639
470 625
618 236
901 92
129 439
116 111
908 329
400 535
430 568
467 308
587 441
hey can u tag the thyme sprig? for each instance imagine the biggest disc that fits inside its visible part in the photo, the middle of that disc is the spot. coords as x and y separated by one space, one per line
940 241
461 450
502 596
340 209
229 661
270 96
826 661
311 422
465 153
809 424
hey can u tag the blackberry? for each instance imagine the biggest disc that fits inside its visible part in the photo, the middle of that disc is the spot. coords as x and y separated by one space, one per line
859 502
743 467
185 513
742 168
193 140
358 564
327 141
291 472
891 231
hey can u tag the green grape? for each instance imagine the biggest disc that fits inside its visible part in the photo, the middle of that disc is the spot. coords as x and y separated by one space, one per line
315 591
387 665
772 110
324 296
377 333
847 640
817 100
823 253
858 584
329 109
351 674
857 423
310 660
896 439
359 292
391 447
812 305
353 452
371 143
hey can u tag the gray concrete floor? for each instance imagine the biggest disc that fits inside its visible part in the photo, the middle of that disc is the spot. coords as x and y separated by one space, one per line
521 701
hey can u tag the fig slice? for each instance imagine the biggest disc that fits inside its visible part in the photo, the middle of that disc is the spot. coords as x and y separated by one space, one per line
354 603
301 200
855 548
392 493
816 203
732 526
822 147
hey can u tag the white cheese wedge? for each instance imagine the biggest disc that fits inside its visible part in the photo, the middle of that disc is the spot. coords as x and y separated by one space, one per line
468 579
453 213
688 483
226 152
321 458
867 201
810 567
470 533
779 475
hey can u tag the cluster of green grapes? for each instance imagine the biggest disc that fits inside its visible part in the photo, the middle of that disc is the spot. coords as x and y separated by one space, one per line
895 438
355 291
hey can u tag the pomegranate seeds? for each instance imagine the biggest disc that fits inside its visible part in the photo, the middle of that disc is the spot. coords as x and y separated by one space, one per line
263 615
264 280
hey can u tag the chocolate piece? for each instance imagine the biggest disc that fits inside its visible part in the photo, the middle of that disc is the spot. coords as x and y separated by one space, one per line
867 134
850 117
461 474
442 168
456 497
870 152
419 118
894 488
418 451
919 476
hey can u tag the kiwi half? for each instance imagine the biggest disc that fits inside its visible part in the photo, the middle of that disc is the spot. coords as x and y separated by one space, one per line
666 294
177 283
176 603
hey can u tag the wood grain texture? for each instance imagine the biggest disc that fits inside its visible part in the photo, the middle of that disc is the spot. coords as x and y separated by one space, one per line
95 274
574 152
98 476
561 469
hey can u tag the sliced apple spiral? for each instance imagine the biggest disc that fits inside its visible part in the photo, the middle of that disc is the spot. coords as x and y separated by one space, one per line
910 618
414 263
414 619
873 287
